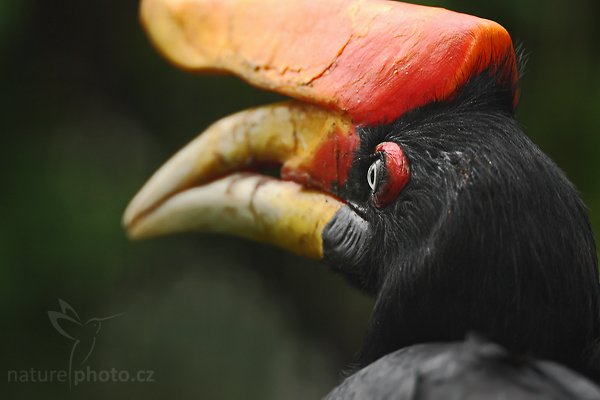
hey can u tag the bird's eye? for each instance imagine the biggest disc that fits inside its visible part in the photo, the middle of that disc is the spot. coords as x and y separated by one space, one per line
388 174
373 175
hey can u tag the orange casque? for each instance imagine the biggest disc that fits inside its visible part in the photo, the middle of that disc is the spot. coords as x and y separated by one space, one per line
372 59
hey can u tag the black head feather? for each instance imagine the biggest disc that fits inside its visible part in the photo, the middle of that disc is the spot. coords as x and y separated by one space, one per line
488 236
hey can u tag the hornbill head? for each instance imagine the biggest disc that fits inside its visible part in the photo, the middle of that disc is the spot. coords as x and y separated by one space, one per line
401 166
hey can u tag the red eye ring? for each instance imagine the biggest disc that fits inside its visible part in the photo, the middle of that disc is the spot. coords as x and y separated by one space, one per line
397 173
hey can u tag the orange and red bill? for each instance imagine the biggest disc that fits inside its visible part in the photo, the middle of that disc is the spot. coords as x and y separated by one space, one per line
348 63
203 187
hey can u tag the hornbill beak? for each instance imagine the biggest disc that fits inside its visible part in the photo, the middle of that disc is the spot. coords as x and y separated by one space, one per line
348 63
202 187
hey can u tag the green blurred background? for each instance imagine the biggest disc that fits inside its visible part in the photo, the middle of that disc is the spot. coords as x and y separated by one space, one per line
89 111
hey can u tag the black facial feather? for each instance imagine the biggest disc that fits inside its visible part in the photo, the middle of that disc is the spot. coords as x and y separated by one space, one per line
489 236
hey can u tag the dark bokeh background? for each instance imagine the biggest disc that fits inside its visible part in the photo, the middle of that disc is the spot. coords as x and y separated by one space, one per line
89 111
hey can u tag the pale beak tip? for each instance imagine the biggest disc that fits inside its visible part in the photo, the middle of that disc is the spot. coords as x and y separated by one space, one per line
136 232
131 224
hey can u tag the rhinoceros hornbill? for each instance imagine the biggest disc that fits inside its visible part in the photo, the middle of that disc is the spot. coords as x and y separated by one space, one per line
402 167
